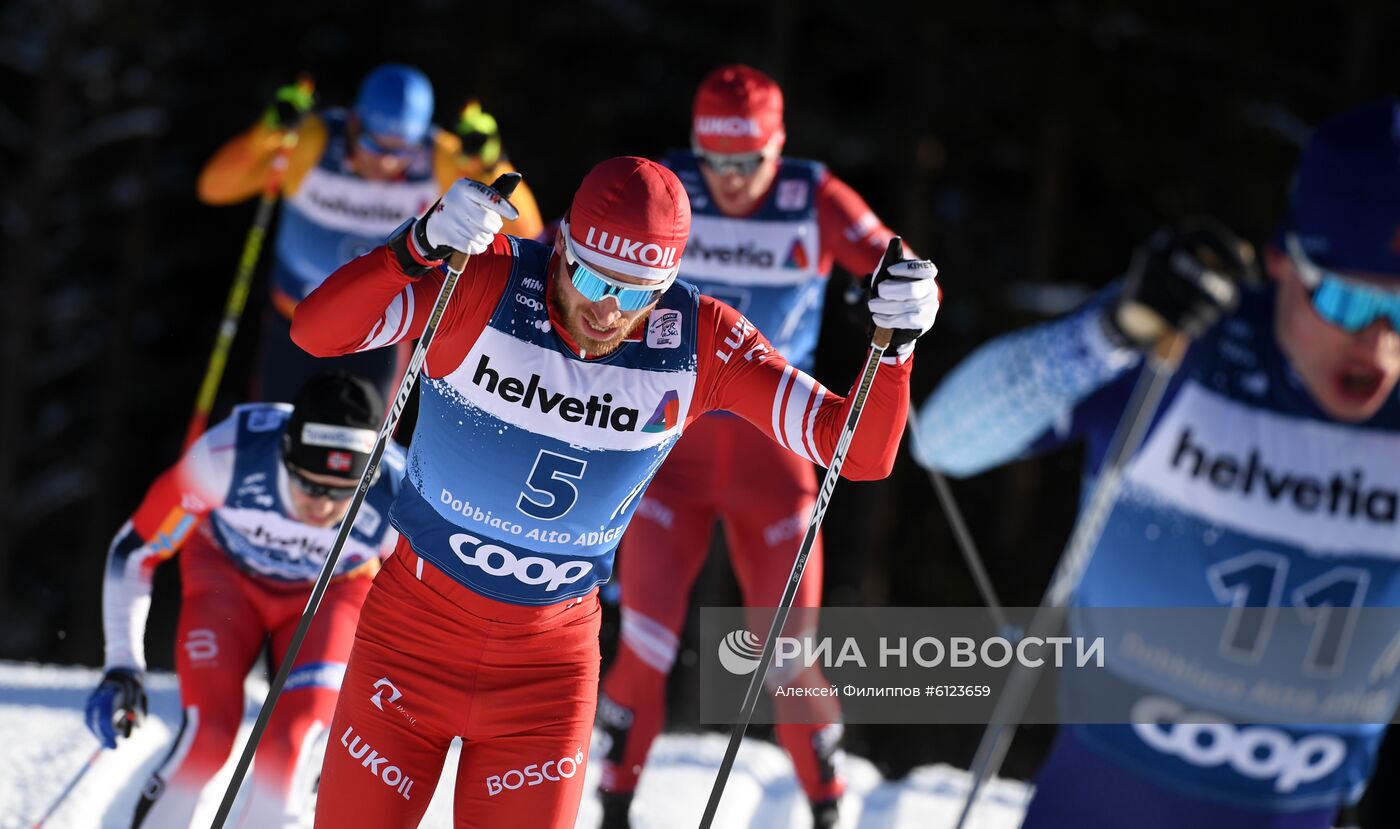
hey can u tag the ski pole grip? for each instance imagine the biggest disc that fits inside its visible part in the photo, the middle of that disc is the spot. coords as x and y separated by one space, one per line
893 253
505 185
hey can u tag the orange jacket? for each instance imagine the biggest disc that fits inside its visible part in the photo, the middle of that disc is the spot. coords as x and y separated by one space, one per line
239 169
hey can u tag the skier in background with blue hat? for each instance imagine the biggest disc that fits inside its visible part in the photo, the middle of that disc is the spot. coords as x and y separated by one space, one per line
353 177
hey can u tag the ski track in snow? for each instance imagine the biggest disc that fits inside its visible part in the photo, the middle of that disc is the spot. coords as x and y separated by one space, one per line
43 744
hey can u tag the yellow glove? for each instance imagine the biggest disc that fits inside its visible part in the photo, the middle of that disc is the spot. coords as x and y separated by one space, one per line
480 135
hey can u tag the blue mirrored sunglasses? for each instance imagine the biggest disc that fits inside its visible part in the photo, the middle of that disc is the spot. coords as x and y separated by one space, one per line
367 142
594 286
1345 303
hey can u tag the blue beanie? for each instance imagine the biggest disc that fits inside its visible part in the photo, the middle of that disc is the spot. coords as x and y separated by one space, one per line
395 100
1344 205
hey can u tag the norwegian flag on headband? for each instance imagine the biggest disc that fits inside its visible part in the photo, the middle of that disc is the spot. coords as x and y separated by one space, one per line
339 461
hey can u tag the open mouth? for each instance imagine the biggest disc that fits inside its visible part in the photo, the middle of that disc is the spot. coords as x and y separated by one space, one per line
1359 383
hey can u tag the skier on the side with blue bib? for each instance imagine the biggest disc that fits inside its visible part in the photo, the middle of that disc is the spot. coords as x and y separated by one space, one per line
1268 478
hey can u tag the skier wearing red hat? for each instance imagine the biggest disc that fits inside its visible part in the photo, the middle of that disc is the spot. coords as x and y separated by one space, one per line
558 380
764 235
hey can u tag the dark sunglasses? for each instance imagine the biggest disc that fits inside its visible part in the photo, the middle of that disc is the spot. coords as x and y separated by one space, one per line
745 164
316 489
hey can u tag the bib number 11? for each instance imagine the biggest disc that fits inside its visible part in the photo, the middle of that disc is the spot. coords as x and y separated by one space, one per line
1252 584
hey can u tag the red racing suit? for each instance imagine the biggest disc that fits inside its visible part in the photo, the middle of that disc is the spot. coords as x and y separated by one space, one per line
486 627
773 265
247 567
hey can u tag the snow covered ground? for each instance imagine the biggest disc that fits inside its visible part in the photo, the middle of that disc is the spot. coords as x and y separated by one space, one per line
43 743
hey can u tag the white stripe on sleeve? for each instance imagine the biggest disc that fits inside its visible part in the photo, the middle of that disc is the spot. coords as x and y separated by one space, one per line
126 600
800 399
809 434
394 324
788 372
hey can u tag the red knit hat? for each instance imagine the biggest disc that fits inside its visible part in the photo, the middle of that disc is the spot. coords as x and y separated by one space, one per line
632 216
738 109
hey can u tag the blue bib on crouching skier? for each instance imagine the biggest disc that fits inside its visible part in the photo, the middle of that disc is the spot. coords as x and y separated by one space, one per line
257 527
335 215
528 461
765 265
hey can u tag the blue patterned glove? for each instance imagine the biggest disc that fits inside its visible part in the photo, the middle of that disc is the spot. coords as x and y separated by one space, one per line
117 706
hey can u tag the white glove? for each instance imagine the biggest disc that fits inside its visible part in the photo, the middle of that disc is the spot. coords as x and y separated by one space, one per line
905 300
465 219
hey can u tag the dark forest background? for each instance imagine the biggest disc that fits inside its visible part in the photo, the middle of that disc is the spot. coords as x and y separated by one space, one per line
1025 146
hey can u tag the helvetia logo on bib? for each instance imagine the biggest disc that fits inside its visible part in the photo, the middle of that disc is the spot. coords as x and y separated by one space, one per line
596 411
746 254
739 652
1341 494
796 257
367 210
667 413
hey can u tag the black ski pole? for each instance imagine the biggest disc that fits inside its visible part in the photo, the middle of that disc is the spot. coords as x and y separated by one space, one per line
963 537
878 343
1011 704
